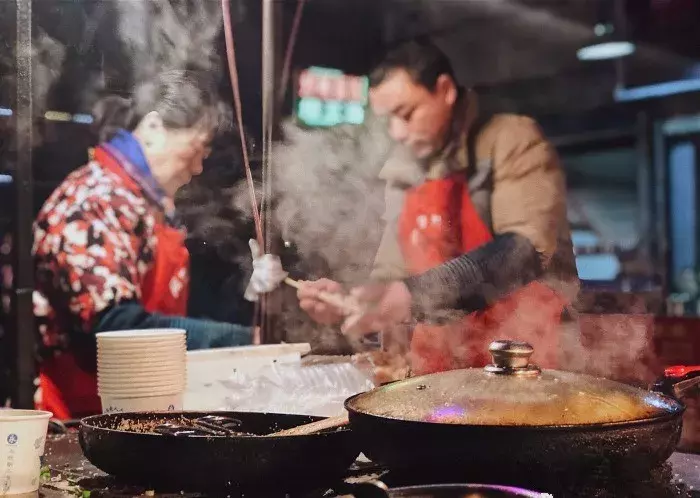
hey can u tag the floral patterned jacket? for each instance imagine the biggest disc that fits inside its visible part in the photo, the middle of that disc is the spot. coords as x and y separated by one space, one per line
93 244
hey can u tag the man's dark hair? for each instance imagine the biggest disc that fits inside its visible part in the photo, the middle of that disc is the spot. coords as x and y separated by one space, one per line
421 58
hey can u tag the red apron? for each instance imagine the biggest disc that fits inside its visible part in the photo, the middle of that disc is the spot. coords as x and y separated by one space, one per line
68 389
438 223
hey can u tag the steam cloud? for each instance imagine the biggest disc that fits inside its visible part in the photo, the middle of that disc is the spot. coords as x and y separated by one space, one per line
329 200
170 34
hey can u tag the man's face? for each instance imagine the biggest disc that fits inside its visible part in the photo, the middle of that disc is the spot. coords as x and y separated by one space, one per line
418 117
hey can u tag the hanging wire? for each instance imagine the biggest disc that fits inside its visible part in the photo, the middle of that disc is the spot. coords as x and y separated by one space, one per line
293 35
263 225
233 72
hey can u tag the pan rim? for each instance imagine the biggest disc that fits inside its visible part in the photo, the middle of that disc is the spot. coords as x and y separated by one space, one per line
553 428
521 492
85 423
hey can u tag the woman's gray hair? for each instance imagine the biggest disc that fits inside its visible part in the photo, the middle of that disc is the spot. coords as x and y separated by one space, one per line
183 99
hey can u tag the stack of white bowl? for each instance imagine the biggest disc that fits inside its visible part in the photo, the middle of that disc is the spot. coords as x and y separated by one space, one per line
141 370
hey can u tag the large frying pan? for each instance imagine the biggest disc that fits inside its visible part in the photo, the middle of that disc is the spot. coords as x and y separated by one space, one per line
377 489
512 415
129 447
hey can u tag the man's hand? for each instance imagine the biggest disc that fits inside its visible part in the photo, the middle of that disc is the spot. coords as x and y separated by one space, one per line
386 305
319 311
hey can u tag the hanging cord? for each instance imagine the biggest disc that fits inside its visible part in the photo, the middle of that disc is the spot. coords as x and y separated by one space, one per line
268 109
268 118
267 136
262 233
293 35
233 71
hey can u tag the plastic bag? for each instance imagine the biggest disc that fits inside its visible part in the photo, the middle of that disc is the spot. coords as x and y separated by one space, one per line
318 390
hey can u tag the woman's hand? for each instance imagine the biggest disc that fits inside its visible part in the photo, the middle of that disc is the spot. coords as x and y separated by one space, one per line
319 311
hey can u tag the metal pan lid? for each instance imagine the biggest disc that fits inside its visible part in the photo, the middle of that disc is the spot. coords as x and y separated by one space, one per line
513 392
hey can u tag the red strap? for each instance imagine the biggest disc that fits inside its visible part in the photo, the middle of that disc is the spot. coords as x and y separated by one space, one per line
165 288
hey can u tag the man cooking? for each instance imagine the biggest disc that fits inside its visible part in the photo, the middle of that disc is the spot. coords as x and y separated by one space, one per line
476 245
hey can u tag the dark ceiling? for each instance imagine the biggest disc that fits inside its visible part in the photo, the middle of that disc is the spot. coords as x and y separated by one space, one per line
520 54
523 53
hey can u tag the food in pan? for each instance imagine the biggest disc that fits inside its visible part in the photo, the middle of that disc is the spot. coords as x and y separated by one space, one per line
384 367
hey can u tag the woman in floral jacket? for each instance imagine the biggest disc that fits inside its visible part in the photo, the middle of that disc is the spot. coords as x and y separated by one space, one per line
109 252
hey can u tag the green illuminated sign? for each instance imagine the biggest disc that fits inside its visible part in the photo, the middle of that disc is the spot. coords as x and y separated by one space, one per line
328 97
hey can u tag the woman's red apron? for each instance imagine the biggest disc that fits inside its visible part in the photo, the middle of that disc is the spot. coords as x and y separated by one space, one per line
438 223
68 389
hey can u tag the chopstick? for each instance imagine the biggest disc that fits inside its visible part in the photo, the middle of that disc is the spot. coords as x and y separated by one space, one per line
338 300
313 427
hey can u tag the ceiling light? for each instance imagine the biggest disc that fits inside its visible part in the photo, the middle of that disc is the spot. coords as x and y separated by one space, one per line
606 50
609 39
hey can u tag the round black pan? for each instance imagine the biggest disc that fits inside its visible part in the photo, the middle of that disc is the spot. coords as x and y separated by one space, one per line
217 462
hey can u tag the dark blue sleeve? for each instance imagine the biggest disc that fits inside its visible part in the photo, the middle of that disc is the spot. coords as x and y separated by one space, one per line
477 279
201 333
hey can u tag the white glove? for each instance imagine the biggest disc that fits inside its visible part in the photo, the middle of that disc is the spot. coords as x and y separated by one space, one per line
268 273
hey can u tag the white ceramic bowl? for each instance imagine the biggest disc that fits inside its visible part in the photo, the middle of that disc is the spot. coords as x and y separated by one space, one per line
156 347
139 383
121 391
138 346
136 357
145 334
141 376
140 366
126 360
144 403
22 439
144 369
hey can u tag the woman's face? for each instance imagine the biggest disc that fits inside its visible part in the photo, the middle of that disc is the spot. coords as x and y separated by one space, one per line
174 155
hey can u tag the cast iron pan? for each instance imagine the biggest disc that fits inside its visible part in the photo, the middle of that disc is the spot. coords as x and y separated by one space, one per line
470 451
205 462
377 489
391 429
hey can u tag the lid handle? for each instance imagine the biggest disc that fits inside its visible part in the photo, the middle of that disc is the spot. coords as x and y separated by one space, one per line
511 357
